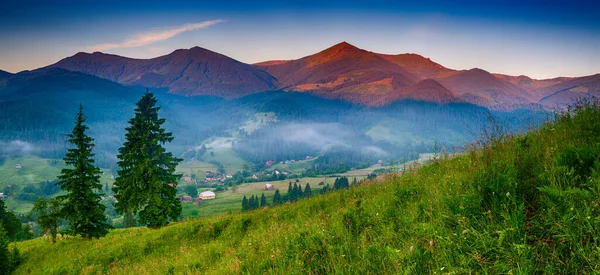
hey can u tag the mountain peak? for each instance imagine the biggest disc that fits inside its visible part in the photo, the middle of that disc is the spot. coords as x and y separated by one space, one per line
343 46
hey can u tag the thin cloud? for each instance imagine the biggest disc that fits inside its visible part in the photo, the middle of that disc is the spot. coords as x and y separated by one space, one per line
147 38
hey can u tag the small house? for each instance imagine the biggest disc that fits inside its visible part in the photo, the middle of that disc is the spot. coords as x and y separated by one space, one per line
254 177
186 199
207 195
269 187
1 195
18 166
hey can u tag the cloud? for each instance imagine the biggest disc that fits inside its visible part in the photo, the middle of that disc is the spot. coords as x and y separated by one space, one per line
147 38
18 147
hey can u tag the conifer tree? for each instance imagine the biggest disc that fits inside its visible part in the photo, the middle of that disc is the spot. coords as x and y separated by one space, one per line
263 200
245 203
81 180
5 258
252 203
307 191
146 184
290 191
277 198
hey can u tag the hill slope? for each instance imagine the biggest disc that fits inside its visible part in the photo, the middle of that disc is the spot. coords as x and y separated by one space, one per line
191 72
526 204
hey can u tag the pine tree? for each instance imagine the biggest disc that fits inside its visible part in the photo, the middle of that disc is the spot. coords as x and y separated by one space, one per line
294 192
277 198
48 215
6 266
81 180
263 200
252 203
307 191
245 204
146 184
290 191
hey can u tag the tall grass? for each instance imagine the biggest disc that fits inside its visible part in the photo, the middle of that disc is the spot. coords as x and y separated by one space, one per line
526 204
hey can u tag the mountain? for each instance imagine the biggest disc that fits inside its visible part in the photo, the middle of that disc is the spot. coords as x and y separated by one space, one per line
4 75
192 72
43 99
567 91
482 88
342 71
418 65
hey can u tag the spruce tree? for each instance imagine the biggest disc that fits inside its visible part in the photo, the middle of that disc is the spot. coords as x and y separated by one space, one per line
81 180
263 200
277 198
146 184
290 191
294 192
307 191
245 204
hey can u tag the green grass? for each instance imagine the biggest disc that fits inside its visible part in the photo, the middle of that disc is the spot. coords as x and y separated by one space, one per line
222 152
198 168
35 169
525 204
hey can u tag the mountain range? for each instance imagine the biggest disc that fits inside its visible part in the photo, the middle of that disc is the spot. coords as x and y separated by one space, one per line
342 71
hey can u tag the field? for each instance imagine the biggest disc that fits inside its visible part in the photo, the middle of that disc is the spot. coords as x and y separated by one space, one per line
230 201
34 169
195 167
222 153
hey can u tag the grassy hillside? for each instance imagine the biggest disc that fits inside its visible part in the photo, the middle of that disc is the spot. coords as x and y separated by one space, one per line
521 205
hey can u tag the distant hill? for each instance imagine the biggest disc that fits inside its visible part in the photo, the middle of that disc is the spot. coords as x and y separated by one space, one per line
482 88
191 72
568 90
4 75
418 65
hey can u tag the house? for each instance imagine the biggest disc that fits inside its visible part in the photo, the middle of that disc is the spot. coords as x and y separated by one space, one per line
187 179
269 187
207 195
269 163
254 177
186 199
18 166
1 195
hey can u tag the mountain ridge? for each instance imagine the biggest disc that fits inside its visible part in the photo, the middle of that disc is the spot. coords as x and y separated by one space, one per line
342 71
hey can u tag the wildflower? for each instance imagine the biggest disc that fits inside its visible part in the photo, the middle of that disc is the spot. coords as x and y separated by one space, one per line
430 244
412 249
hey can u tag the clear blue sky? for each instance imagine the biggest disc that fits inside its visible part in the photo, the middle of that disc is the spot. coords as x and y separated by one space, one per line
541 39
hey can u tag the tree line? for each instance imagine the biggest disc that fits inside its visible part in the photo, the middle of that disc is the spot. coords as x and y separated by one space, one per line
294 193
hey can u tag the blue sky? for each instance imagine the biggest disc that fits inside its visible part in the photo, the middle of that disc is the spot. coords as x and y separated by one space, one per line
540 39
